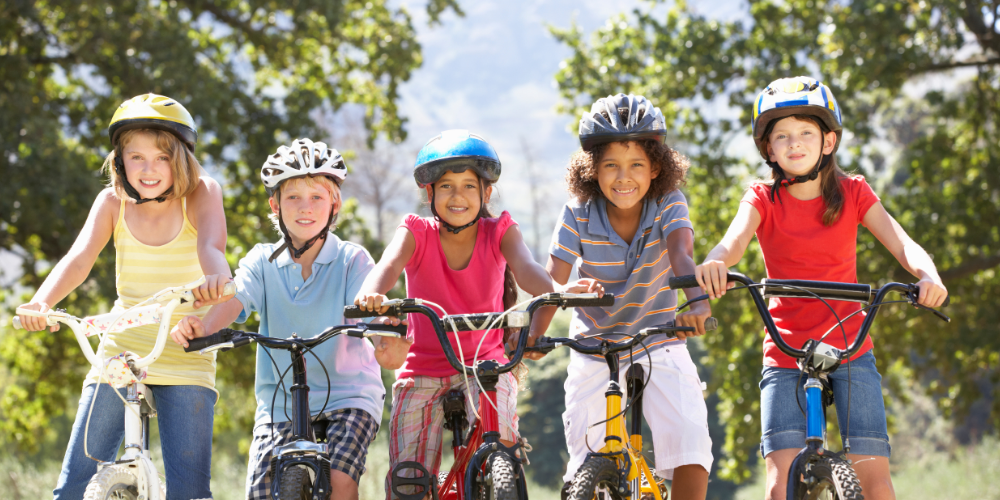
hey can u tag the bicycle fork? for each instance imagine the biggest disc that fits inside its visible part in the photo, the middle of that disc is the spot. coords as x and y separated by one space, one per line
136 460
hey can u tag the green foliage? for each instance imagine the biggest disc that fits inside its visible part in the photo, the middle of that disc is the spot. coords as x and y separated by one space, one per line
253 73
930 154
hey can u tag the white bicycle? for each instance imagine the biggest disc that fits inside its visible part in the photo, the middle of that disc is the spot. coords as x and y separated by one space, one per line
133 476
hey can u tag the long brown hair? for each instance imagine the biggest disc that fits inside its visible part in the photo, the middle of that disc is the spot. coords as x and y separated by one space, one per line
829 177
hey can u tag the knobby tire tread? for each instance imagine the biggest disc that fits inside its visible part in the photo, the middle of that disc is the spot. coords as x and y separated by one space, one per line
832 471
295 484
596 472
112 483
504 478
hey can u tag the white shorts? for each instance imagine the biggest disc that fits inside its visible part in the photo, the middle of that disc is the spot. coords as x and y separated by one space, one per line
672 404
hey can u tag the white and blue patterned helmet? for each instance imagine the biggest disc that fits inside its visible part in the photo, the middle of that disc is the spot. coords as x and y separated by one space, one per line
800 95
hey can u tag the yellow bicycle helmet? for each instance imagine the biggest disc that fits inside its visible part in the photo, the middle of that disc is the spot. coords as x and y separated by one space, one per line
150 111
156 112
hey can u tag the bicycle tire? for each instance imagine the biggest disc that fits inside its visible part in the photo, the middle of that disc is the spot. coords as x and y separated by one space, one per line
295 484
830 477
503 477
112 483
596 472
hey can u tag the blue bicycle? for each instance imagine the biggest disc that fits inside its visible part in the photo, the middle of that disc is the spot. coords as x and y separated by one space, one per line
817 473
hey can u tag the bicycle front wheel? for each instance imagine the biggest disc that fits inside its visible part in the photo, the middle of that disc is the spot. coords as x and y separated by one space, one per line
825 478
596 473
501 482
295 484
112 483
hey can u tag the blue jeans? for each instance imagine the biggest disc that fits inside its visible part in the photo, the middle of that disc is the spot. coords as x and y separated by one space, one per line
784 427
185 414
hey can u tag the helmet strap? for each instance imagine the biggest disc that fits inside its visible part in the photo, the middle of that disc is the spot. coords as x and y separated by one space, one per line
129 189
821 163
297 252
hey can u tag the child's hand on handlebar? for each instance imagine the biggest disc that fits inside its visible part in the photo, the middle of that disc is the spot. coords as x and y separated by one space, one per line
390 352
212 291
512 344
188 328
371 302
695 317
585 285
33 323
932 292
712 276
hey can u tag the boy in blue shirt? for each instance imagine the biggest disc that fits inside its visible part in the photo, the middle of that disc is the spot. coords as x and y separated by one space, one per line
301 286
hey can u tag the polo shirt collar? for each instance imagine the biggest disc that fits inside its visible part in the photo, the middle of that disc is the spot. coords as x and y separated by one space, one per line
327 254
599 223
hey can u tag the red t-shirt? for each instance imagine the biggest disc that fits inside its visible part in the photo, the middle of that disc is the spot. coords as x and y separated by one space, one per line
476 289
796 245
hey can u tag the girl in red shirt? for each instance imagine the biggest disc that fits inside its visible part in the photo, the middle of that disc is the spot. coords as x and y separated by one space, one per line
806 220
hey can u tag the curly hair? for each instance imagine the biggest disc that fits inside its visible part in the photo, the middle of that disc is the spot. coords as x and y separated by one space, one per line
581 174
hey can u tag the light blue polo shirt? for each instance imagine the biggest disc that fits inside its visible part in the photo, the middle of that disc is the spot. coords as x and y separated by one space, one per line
287 305
636 272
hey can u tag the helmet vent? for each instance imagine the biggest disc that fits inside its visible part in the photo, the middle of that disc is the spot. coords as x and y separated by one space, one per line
623 115
640 114
169 104
606 116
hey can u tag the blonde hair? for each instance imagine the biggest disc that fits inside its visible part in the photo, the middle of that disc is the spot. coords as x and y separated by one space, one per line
184 167
310 181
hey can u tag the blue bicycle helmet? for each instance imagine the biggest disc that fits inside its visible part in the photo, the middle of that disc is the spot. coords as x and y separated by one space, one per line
456 150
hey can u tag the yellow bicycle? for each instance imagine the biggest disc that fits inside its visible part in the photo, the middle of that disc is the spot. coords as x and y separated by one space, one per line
618 469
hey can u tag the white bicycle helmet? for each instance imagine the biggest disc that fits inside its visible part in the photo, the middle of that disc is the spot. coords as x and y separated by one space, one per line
302 158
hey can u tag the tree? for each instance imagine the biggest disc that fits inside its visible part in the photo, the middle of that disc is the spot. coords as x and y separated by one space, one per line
254 74
931 154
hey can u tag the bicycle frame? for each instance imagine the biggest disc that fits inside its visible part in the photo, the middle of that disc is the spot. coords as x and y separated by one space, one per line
128 371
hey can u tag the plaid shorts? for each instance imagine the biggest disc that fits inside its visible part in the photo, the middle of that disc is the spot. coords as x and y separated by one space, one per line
348 434
417 421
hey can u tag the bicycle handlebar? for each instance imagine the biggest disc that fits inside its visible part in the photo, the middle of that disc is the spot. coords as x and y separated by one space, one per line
228 338
547 344
458 322
168 298
826 290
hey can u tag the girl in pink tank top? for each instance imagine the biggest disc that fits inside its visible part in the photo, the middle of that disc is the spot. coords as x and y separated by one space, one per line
466 260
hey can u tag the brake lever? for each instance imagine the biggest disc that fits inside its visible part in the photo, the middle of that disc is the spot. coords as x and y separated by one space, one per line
692 301
912 295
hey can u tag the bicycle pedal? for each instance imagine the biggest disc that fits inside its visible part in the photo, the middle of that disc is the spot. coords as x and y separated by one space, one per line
421 484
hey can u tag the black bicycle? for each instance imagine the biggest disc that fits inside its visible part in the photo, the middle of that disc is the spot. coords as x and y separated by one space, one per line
484 467
817 473
300 469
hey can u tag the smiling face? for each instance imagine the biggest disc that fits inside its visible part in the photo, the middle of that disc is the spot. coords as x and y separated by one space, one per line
624 174
796 144
456 197
147 167
305 207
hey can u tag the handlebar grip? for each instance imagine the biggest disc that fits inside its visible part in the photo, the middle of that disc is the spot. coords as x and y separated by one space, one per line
947 300
224 335
400 329
355 312
686 281
711 324
17 323
230 288
607 300
542 344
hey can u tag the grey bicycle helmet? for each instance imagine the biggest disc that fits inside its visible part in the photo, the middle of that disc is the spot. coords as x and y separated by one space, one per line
621 118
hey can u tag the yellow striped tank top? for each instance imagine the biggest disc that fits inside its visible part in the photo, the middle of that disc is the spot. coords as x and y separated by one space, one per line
142 270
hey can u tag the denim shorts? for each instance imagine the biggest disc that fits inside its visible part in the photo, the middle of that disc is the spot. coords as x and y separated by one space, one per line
784 426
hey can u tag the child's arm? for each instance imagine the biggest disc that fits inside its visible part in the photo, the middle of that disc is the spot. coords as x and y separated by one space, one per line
73 269
534 279
680 250
711 274
386 272
910 255
208 217
390 352
217 318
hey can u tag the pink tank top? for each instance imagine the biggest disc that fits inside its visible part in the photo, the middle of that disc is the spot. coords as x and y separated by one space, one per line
476 289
